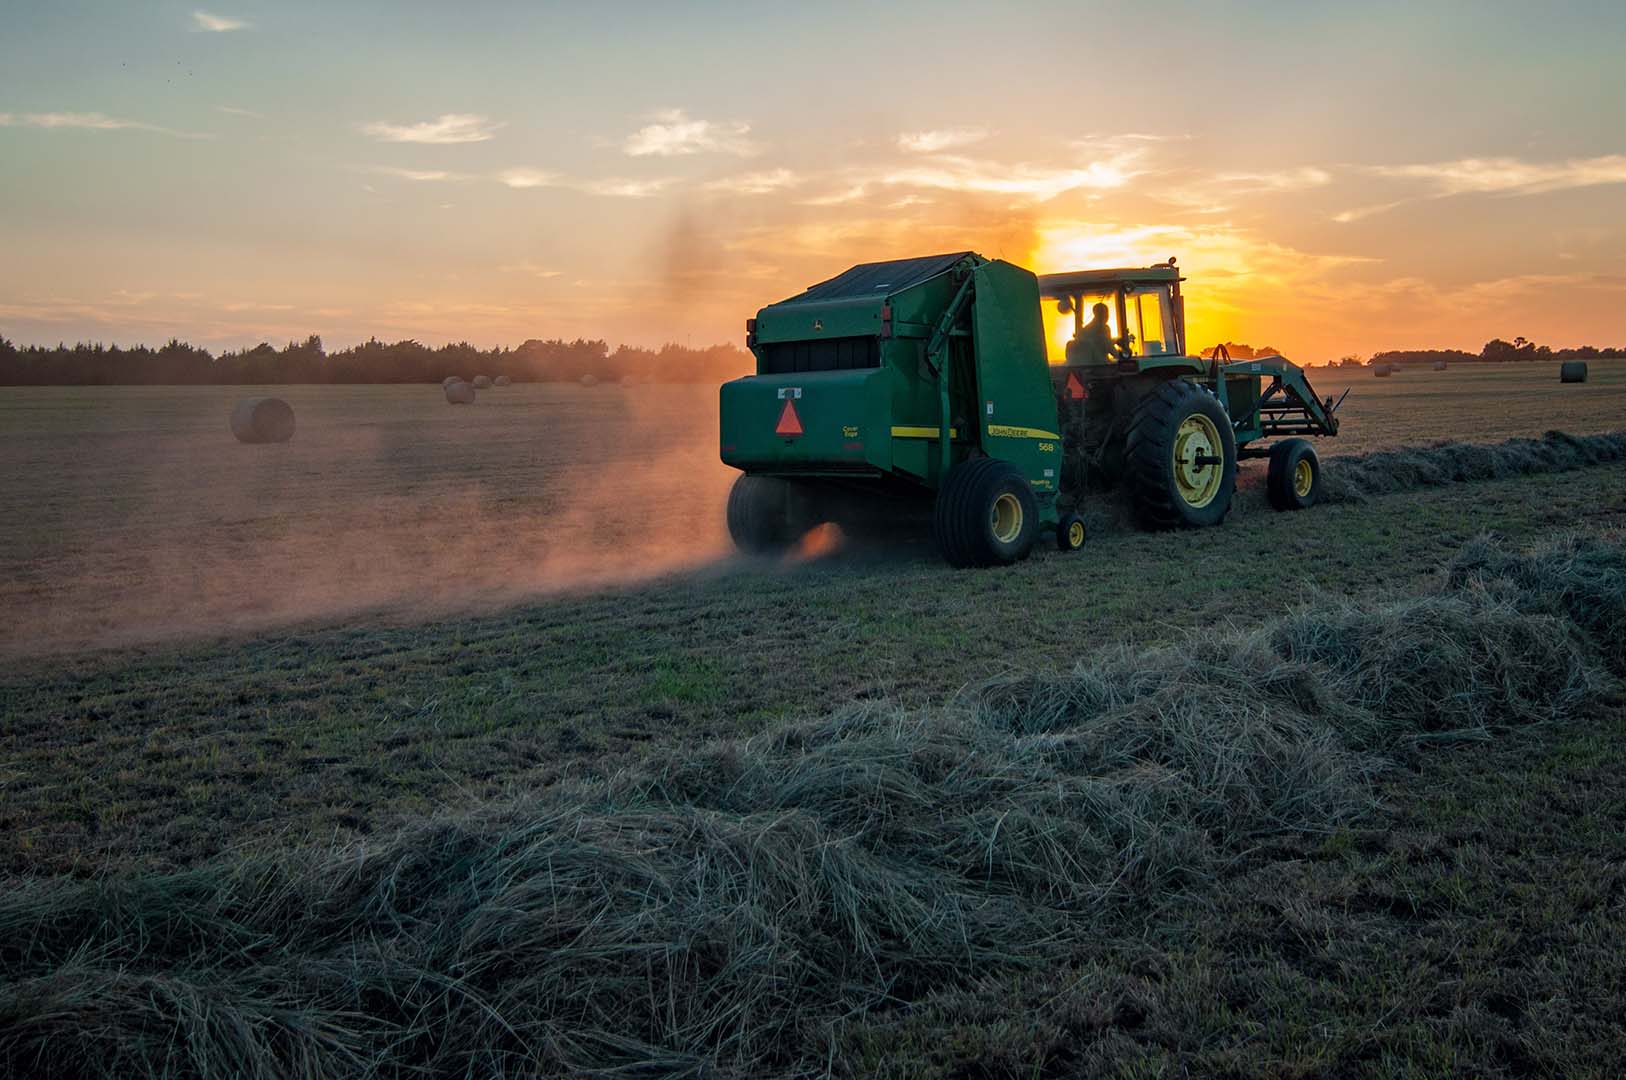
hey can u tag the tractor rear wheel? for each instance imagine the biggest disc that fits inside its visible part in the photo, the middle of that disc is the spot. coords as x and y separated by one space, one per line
1180 458
985 514
1294 480
759 515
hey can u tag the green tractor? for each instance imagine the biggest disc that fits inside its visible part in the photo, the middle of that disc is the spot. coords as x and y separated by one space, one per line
923 385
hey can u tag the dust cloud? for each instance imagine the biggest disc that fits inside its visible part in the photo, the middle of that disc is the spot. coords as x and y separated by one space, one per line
149 523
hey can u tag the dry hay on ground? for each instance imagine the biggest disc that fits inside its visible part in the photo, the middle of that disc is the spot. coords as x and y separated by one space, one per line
262 420
726 910
460 393
1350 479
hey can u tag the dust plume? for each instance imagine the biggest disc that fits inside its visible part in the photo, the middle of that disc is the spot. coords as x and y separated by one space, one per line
157 526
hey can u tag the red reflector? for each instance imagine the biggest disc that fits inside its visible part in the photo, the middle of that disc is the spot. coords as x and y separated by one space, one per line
1075 389
789 422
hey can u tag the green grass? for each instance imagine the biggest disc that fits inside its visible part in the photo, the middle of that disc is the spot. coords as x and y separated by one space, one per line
331 733
1465 921
1247 851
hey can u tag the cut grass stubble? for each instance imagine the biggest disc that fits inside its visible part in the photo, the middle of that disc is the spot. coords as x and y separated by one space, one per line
725 911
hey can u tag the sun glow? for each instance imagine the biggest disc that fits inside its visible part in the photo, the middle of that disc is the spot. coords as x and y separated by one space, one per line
1074 245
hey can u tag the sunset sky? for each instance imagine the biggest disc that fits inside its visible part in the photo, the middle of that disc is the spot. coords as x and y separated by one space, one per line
1335 178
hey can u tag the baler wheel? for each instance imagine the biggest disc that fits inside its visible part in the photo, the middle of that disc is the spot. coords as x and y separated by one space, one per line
1070 533
985 514
759 516
1180 458
1294 480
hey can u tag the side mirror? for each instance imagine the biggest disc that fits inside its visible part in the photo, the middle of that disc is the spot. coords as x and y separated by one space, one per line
1065 305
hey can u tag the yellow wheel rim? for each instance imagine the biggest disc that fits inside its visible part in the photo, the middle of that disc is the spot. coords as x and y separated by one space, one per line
1196 475
1075 534
1007 518
1303 477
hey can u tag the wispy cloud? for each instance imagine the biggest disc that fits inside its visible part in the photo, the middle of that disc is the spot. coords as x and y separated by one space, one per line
755 183
217 24
445 130
1512 176
1020 181
617 187
673 133
1491 176
1344 217
530 269
1306 176
418 175
92 121
529 178
1039 182
232 110
935 142
626 189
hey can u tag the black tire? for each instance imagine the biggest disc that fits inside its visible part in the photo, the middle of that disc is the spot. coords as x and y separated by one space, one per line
759 517
1070 533
1294 482
1155 491
972 520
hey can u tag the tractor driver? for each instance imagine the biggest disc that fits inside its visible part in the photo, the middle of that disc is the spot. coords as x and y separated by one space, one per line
1093 344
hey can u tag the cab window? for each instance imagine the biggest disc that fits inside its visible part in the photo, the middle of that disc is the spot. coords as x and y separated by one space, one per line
1079 311
1150 321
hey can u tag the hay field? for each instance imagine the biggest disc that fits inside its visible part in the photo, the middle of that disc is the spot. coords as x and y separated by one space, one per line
145 521
1471 402
142 519
1335 793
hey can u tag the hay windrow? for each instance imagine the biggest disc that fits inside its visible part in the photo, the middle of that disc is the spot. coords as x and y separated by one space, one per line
724 911
1352 479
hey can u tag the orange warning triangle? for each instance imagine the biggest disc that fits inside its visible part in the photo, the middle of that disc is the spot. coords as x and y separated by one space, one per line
1075 389
789 422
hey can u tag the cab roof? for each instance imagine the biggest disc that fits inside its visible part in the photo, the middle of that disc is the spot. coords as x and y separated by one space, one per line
1084 280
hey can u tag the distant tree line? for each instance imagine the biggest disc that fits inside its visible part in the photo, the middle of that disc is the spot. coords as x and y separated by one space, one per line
1496 351
1239 351
372 361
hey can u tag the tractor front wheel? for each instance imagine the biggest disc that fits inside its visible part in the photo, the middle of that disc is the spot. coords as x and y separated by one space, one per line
1294 480
1180 458
759 515
985 514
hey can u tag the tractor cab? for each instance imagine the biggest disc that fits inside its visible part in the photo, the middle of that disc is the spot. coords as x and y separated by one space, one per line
1145 313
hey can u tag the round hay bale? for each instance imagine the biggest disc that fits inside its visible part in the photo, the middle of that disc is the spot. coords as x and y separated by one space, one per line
1572 371
1439 365
501 380
450 379
589 379
482 382
1382 371
460 393
262 420
629 380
